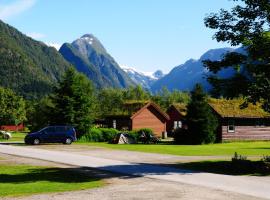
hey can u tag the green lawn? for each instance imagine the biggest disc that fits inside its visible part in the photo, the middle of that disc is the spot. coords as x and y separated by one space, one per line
244 148
16 180
16 137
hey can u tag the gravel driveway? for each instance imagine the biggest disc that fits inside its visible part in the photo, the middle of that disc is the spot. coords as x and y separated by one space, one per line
157 182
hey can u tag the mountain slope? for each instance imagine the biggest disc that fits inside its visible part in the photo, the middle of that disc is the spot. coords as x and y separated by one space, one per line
27 66
89 56
185 76
146 80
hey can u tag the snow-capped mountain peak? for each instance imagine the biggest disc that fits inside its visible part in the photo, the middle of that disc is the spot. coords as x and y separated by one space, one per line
135 71
88 38
145 79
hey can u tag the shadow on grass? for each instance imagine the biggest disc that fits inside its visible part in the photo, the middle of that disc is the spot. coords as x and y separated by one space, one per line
11 143
60 175
259 148
24 174
254 168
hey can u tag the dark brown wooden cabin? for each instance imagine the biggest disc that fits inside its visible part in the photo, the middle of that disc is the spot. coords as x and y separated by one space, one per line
177 113
147 116
251 123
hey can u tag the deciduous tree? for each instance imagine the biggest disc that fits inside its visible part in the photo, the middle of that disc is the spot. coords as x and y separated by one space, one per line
12 107
247 25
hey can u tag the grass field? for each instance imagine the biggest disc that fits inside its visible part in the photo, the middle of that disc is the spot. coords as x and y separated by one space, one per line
244 148
16 137
17 180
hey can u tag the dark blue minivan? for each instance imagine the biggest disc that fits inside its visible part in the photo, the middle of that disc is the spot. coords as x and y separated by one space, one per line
52 134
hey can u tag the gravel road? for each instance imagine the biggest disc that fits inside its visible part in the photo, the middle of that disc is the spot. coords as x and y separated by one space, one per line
173 183
125 188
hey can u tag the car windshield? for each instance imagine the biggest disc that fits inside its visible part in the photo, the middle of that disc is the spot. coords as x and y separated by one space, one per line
43 129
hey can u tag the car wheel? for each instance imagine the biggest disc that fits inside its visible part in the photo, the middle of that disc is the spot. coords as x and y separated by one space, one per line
36 141
68 141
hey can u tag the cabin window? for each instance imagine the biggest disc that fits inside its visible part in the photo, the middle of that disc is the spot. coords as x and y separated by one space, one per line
177 124
231 127
259 123
114 123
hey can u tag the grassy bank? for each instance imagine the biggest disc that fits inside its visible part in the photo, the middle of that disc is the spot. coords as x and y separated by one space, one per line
244 148
16 180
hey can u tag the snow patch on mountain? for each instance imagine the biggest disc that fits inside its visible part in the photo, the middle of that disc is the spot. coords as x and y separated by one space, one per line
145 79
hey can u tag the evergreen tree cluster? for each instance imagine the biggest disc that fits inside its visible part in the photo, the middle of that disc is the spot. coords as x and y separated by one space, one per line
76 102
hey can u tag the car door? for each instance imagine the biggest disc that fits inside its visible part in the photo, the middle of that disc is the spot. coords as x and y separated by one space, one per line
43 135
49 134
59 134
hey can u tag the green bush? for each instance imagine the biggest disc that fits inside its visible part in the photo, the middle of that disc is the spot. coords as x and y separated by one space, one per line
266 158
237 157
93 135
99 135
108 134
242 164
147 131
146 136
135 134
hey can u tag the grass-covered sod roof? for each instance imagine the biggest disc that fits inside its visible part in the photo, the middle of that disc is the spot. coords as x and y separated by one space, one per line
181 107
234 108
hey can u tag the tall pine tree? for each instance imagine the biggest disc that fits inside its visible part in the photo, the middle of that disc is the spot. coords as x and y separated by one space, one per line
74 101
202 123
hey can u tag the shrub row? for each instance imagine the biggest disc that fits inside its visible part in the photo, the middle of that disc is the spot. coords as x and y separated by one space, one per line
108 134
99 135
240 164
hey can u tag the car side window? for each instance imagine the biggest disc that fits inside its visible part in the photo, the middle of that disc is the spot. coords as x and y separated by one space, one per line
59 129
50 130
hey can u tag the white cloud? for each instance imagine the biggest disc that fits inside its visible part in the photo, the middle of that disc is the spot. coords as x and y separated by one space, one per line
35 35
10 10
53 44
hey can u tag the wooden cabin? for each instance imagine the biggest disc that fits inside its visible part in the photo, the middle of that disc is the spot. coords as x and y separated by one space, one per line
177 113
250 123
139 115
18 127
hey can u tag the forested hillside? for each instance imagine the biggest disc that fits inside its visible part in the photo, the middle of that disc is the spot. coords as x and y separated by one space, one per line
27 66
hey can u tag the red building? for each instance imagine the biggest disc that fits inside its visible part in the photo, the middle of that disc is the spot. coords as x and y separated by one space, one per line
12 127
137 116
177 113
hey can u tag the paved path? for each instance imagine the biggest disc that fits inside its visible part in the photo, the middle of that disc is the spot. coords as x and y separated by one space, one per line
254 186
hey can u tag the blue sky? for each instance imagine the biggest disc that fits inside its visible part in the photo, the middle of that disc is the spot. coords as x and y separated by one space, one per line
144 34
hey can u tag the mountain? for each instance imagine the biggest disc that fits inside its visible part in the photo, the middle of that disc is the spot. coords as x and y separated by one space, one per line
27 66
89 56
145 79
185 76
158 74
